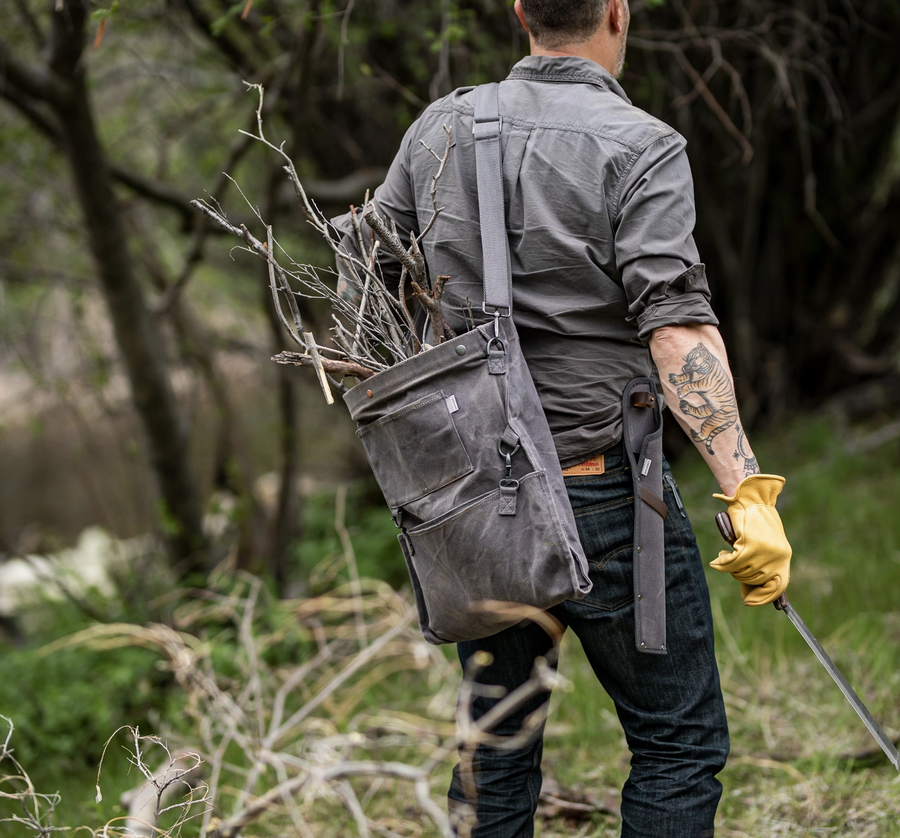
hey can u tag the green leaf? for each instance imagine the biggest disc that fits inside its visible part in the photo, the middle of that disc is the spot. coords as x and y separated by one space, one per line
103 14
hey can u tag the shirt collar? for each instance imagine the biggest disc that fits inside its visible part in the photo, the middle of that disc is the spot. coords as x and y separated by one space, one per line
566 68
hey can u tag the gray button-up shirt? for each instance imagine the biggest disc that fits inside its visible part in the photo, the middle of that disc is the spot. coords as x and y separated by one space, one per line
600 213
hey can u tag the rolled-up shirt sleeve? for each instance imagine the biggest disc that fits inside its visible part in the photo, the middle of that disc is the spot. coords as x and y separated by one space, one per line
664 280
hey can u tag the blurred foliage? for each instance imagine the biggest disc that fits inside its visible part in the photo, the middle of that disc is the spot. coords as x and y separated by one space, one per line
370 528
66 705
799 236
790 110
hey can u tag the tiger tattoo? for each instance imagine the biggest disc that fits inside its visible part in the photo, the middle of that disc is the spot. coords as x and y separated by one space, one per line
704 376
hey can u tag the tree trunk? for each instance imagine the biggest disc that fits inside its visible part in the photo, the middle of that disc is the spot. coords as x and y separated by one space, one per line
136 335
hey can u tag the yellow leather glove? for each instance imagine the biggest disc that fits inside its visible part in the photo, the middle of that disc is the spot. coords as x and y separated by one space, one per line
761 556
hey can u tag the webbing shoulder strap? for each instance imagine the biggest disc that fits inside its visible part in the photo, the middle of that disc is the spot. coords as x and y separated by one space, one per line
489 174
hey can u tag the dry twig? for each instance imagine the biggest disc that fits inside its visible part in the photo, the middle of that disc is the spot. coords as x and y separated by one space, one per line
281 736
381 330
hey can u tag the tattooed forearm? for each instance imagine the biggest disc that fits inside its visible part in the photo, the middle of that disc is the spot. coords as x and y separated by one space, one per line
751 466
693 367
704 377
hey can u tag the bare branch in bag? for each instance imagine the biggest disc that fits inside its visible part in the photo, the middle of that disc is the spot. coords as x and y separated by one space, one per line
373 329
392 242
442 161
313 359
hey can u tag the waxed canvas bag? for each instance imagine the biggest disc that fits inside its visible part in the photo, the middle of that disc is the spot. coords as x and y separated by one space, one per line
460 446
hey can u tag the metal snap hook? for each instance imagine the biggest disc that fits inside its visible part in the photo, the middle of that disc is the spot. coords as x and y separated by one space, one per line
508 455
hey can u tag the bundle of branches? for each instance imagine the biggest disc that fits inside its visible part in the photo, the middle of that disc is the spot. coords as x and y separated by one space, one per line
373 329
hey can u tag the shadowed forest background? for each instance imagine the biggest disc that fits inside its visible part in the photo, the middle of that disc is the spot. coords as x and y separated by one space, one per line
137 392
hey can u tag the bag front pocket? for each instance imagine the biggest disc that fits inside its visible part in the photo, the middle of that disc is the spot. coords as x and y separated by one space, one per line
415 450
475 554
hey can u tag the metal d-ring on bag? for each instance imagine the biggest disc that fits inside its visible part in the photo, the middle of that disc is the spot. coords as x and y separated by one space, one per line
459 444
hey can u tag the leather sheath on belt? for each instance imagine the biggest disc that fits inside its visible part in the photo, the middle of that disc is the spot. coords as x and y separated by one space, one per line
642 419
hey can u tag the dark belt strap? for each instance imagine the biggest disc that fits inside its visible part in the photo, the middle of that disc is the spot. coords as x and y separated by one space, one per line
642 423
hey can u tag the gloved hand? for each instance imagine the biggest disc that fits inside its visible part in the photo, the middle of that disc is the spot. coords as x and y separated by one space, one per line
761 556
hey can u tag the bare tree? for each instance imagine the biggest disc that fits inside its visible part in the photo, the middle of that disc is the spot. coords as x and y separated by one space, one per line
59 84
790 110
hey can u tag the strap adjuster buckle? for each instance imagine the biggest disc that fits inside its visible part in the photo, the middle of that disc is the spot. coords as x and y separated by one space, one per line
485 132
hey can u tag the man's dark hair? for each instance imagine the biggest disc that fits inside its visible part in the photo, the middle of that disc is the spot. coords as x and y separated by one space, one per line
553 23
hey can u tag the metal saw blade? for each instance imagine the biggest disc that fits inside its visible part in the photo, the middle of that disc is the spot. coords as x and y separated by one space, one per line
849 693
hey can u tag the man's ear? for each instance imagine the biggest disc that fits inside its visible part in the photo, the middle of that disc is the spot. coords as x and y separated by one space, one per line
618 17
520 14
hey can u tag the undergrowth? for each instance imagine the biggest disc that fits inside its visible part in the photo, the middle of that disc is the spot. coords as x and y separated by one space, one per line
802 764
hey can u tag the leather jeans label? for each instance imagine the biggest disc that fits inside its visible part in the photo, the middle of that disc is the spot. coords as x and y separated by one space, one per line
594 465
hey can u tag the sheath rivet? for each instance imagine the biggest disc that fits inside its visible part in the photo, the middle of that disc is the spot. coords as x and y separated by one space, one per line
663 648
643 645
640 597
639 549
369 393
460 350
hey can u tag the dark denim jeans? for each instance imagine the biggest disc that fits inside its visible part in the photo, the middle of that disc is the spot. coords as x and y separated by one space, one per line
670 706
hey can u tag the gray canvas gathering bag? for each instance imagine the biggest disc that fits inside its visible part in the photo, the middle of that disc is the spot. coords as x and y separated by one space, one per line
460 446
